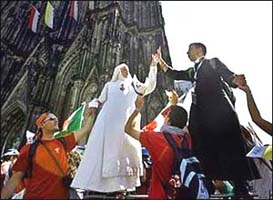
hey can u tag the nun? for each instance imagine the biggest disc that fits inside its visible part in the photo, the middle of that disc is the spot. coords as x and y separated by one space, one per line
112 160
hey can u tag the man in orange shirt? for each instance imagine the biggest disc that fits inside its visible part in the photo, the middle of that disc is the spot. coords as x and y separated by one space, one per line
161 152
46 180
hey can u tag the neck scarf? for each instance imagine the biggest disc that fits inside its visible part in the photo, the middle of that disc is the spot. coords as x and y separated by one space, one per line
172 130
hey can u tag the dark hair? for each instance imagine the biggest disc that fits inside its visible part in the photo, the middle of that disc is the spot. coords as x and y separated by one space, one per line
178 116
199 45
38 135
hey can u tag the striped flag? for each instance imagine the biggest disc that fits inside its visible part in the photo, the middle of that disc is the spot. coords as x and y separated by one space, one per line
49 14
33 20
73 123
158 122
258 151
73 12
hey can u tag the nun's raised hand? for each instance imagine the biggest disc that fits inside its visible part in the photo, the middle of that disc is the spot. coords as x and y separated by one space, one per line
158 52
155 59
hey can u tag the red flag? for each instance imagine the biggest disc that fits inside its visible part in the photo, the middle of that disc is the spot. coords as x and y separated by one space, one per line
158 122
33 20
73 12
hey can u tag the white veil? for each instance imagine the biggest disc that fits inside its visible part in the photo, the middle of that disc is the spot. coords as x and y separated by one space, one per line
117 73
141 88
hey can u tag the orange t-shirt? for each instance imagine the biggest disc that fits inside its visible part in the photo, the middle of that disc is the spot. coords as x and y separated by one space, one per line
162 157
46 181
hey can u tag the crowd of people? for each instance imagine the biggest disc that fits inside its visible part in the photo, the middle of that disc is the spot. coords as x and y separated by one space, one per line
121 157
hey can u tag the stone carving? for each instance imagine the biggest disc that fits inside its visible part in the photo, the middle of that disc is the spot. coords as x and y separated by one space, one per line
71 62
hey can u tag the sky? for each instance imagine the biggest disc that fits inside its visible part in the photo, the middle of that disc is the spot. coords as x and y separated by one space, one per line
239 33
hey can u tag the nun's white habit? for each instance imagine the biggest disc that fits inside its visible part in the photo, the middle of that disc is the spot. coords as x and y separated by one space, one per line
112 160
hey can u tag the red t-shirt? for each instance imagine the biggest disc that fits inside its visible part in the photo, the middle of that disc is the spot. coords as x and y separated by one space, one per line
162 157
46 181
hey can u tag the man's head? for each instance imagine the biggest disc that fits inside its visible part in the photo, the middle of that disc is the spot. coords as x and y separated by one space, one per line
176 116
47 122
196 50
11 154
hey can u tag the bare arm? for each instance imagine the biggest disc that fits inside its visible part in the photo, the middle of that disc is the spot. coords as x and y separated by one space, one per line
254 112
163 65
11 185
88 124
130 127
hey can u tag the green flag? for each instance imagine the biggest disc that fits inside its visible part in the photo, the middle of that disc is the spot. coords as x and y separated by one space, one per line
73 123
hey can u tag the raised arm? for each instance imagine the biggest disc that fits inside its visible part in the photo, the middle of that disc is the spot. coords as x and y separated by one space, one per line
254 112
130 126
187 75
150 81
87 124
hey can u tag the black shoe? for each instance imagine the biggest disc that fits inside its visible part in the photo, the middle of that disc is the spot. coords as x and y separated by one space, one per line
120 195
210 186
241 190
246 196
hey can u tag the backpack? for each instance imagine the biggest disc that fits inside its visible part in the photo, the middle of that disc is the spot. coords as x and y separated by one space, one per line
227 89
187 180
32 150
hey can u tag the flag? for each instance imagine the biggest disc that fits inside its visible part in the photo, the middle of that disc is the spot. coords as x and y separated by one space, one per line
73 12
157 123
268 152
258 151
33 20
49 14
73 123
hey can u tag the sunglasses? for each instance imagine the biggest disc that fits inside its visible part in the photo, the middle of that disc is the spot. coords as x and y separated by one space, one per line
51 119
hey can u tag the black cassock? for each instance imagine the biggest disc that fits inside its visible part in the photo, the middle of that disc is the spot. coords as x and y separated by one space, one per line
214 126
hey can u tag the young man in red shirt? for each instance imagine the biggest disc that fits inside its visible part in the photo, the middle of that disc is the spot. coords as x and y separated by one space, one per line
161 153
46 181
